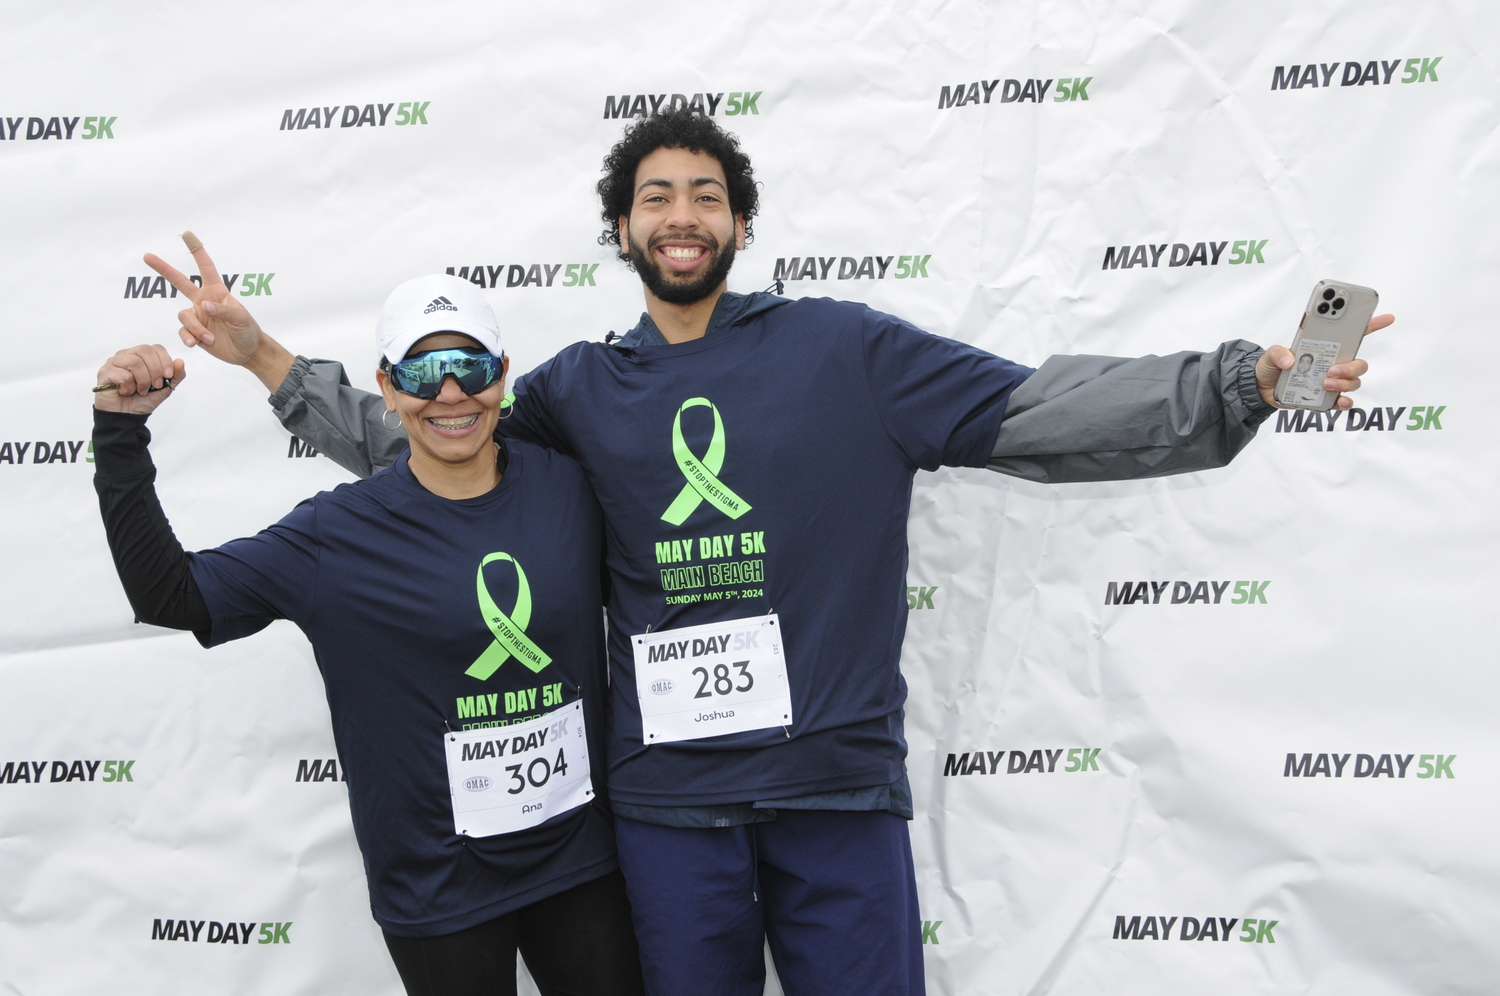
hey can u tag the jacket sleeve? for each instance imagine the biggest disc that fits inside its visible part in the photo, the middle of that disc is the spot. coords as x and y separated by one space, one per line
317 404
1106 418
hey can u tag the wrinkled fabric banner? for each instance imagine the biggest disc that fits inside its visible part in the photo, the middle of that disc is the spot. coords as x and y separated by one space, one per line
1228 731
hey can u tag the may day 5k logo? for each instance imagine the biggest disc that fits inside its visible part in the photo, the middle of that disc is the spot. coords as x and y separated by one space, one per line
509 629
702 474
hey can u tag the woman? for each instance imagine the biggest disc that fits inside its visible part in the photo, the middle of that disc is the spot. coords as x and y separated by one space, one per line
452 602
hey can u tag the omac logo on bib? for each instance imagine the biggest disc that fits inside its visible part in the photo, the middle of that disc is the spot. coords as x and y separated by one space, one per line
509 630
702 474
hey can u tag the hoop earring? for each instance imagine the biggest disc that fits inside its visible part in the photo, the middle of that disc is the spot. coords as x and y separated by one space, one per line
388 425
511 411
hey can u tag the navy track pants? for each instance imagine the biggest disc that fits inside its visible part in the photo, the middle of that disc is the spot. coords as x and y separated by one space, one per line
833 892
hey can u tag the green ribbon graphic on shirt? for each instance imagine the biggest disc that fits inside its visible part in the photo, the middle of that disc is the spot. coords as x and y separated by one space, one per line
510 636
702 480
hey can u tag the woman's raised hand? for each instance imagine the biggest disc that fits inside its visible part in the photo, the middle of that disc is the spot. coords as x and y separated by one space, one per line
139 376
216 321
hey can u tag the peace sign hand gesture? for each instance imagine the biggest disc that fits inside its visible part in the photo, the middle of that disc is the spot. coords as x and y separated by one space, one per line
216 321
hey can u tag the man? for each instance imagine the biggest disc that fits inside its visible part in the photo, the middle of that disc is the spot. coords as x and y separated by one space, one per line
754 457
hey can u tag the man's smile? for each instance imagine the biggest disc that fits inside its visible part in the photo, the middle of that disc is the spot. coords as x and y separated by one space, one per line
681 257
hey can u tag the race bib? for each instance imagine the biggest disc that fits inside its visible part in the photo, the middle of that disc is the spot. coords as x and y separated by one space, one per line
703 681
509 778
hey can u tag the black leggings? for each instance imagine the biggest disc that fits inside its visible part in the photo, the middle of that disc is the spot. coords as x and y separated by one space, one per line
577 943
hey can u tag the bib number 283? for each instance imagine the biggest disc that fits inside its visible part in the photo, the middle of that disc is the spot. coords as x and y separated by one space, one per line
723 683
704 681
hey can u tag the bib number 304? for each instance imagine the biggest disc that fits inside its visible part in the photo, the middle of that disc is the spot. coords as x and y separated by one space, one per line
704 681
509 778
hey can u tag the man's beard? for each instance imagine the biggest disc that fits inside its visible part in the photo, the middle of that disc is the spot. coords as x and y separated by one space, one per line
682 292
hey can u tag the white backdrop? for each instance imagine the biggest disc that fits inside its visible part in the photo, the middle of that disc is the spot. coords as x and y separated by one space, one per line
1368 551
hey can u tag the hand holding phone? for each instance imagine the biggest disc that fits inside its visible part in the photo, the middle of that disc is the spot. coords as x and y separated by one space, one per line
1333 325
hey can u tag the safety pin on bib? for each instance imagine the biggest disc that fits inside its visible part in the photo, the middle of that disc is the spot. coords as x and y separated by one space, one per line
784 730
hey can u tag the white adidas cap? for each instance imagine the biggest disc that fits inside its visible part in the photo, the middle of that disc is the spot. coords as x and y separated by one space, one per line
436 303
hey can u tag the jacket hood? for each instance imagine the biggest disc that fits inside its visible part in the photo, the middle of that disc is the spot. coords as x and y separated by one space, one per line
732 309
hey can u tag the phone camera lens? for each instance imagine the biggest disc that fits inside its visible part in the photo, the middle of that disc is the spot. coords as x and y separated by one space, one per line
1338 304
1323 308
1328 294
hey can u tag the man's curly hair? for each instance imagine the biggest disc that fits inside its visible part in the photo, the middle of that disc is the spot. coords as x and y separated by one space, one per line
677 129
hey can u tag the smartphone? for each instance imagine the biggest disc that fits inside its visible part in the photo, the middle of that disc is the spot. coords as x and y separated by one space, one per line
1332 328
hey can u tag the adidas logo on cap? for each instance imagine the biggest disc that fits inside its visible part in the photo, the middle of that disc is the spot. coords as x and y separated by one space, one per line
431 304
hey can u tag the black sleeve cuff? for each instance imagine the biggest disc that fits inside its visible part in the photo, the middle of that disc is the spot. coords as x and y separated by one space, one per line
121 444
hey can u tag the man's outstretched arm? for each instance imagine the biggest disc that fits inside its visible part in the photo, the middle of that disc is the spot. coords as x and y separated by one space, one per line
1107 418
313 398
317 405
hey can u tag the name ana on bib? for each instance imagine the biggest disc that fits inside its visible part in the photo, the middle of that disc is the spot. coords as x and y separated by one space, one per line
509 778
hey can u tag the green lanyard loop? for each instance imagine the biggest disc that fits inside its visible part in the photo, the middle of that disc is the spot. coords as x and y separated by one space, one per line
702 480
509 630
